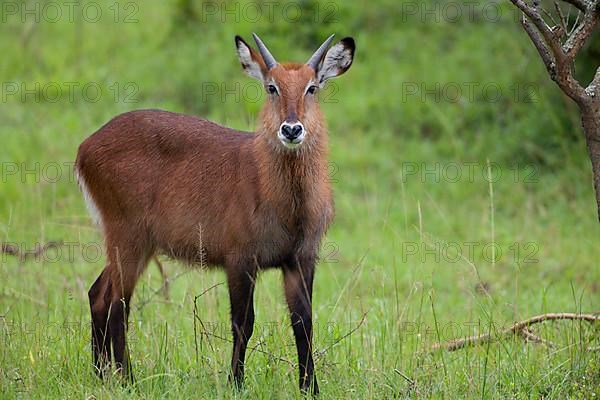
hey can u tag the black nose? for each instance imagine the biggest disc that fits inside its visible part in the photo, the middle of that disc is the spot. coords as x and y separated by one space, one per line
291 132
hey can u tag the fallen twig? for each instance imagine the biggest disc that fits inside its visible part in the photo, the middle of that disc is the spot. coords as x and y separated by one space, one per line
519 328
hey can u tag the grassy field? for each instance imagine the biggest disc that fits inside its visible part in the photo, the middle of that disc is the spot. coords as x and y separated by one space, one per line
463 203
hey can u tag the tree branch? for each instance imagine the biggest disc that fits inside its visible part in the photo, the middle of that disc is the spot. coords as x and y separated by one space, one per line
564 22
541 47
534 16
520 328
557 59
580 35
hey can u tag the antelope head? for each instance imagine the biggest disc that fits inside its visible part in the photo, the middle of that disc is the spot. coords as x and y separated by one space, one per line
291 115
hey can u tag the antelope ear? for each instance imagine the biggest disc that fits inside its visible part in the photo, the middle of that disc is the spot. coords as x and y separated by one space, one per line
337 60
251 61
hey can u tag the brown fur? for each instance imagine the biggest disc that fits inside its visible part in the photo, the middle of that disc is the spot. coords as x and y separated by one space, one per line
211 195
204 193
169 182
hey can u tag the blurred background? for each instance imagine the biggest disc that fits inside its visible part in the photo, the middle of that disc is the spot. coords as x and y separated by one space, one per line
462 184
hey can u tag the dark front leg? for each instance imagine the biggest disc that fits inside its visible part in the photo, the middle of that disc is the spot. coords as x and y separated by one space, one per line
298 278
241 292
117 325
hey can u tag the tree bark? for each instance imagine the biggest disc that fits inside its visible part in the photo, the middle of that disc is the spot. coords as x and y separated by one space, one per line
590 119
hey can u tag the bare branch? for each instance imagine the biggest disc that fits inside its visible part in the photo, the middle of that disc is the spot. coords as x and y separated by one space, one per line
559 60
581 33
520 328
548 44
540 45
576 23
534 16
564 23
551 17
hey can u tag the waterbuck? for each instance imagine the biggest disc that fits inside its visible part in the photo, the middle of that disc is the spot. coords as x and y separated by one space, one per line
160 182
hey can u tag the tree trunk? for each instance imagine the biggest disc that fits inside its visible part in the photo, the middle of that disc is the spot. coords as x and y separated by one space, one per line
590 119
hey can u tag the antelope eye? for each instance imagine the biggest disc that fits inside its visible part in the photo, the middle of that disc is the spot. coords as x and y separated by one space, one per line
311 90
272 89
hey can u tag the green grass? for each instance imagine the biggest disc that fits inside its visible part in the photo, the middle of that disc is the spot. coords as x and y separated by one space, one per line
390 258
